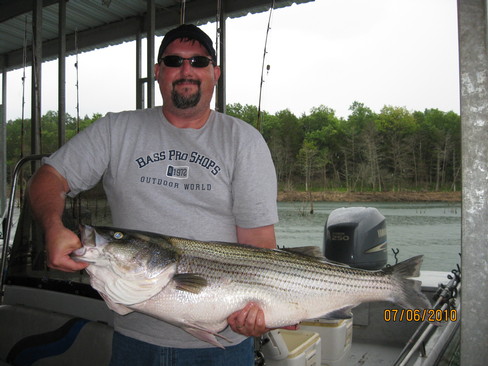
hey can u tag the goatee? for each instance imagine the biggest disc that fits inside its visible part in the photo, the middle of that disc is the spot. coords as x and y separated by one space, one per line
182 101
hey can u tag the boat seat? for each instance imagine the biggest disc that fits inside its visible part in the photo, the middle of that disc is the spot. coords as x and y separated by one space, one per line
30 336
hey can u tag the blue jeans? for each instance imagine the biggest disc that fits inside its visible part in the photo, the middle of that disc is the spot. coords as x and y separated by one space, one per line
127 351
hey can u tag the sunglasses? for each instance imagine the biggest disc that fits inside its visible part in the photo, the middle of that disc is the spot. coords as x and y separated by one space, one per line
195 61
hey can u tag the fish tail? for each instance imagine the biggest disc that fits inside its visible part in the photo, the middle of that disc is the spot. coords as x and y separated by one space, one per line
407 292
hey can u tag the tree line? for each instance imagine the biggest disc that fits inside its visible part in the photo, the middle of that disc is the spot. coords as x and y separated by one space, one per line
19 134
392 150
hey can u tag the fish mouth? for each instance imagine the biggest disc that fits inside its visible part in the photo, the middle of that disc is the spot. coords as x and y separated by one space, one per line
88 236
78 255
88 240
80 252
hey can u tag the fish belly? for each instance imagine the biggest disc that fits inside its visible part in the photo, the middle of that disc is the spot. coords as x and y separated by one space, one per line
210 308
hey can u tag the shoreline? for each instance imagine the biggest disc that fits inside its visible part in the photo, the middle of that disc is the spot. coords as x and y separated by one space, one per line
401 196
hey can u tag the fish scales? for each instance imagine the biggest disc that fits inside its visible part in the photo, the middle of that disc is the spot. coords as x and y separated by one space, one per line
197 285
313 278
281 271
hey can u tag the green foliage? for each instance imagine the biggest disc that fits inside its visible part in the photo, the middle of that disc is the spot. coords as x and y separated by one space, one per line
248 113
19 134
391 150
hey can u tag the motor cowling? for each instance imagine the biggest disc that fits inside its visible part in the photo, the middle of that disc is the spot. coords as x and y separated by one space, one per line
356 236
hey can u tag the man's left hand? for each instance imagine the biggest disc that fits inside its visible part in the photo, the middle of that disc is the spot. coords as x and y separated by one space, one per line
250 321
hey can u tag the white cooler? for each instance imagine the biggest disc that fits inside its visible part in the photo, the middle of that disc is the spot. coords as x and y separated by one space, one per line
292 348
336 339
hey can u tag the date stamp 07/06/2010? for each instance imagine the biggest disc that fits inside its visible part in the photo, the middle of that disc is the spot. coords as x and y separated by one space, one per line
420 315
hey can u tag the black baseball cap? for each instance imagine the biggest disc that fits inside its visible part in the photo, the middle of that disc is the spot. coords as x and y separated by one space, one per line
188 32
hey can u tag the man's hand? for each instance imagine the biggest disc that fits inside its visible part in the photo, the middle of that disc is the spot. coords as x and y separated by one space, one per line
46 192
60 242
250 321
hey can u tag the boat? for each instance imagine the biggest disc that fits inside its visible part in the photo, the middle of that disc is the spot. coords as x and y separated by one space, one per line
54 317
40 307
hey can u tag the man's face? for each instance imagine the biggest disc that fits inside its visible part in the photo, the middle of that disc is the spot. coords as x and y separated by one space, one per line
186 86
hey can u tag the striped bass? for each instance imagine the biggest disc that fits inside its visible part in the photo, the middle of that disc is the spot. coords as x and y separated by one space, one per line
196 285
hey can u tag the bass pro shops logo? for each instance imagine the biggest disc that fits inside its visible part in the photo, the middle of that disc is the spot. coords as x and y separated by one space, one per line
177 172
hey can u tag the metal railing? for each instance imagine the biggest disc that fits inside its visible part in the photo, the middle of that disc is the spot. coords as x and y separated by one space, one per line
8 219
446 296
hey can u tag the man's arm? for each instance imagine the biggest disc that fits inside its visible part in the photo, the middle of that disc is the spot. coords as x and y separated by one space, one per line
263 237
250 320
46 193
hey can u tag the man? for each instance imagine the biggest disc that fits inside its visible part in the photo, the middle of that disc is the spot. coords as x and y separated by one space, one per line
182 170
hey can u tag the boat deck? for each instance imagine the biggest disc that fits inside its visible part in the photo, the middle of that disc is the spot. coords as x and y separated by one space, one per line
371 354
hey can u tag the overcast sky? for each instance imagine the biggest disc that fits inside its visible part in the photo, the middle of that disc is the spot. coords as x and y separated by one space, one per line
330 52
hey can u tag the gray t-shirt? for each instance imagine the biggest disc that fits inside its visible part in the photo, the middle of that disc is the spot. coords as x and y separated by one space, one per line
192 183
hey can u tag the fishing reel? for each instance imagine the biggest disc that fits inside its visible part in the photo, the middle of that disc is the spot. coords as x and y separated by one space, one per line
449 292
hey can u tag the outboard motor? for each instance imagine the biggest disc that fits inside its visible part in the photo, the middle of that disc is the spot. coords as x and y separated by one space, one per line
356 236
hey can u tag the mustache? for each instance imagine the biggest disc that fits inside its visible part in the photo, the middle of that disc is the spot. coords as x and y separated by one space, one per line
191 81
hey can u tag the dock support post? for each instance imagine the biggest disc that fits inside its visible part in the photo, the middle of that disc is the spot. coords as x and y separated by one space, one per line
3 146
151 24
62 73
139 80
473 58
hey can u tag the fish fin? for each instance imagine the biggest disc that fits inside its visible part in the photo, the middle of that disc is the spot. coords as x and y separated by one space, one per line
407 268
190 282
118 308
205 335
309 251
314 252
408 293
342 313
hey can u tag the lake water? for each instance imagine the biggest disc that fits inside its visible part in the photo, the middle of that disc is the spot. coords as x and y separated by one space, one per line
432 229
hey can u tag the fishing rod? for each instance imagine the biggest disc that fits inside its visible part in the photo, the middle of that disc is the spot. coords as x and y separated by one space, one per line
77 201
22 126
445 300
182 12
258 126
7 222
77 84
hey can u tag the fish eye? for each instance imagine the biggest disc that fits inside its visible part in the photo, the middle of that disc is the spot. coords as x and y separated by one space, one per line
118 235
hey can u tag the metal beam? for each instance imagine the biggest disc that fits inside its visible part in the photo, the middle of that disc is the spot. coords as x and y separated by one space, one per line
87 40
198 12
473 56
3 147
139 81
220 101
150 30
62 73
